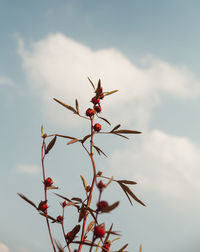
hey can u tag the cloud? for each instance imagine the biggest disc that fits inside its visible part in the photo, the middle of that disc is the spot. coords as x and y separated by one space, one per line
3 248
28 168
58 66
164 164
5 81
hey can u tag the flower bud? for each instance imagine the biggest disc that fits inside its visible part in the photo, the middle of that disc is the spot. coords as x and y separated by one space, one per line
48 182
101 205
43 206
101 185
99 230
89 112
97 108
97 127
95 100
59 218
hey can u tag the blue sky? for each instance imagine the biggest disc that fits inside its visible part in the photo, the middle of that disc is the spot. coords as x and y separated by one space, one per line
146 49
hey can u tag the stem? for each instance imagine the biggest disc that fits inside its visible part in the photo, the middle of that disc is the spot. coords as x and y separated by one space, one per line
45 195
93 182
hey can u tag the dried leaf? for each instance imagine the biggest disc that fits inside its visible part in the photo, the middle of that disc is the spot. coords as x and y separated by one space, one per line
73 141
116 127
110 180
77 107
66 106
85 138
90 226
98 90
104 119
119 135
50 145
130 182
128 190
98 246
126 194
77 199
82 213
84 183
62 197
48 216
111 92
140 247
73 233
42 130
122 249
27 200
110 208
116 239
66 136
51 187
91 83
99 150
128 131
108 234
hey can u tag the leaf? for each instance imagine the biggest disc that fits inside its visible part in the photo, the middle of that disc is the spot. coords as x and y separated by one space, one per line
62 197
108 234
111 92
91 83
73 233
98 246
90 226
118 238
110 208
99 150
42 130
130 182
66 136
66 106
48 216
110 180
27 200
122 249
116 127
77 199
104 119
119 135
140 247
128 131
73 141
77 107
98 90
126 194
128 190
85 138
82 213
51 187
50 145
84 183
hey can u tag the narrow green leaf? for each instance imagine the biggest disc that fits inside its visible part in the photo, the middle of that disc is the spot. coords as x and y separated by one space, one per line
111 92
130 182
50 145
66 106
91 83
128 131
27 200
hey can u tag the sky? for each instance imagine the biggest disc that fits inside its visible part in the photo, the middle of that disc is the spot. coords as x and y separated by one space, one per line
149 51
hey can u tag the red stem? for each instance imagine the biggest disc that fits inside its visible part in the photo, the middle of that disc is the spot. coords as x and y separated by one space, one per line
93 182
45 194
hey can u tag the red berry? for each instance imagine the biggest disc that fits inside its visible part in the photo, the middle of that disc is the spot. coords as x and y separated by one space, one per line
59 218
102 205
43 206
99 230
90 112
106 246
64 204
44 136
95 100
97 127
97 108
48 182
99 173
101 185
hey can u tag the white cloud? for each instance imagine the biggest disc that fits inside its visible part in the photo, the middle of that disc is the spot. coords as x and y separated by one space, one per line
28 168
3 248
167 165
5 81
57 66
